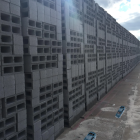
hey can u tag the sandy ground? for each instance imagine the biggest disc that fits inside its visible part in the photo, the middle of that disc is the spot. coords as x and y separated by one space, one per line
101 117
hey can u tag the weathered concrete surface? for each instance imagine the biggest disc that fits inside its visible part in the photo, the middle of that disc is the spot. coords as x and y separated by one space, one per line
101 117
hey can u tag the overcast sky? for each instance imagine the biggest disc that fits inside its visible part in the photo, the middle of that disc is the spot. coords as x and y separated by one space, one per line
126 12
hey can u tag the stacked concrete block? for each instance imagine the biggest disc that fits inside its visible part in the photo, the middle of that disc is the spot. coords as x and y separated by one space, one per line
115 63
73 63
101 43
43 60
125 50
12 83
119 50
90 53
108 51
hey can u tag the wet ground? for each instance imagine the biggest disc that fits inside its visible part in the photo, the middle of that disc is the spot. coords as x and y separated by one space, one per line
101 117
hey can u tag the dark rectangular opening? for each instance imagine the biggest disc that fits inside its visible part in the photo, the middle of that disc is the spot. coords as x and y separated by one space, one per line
20 97
46 35
48 65
54 57
47 42
6 49
10 100
1 135
10 121
48 57
1 125
24 4
18 68
38 33
43 106
5 17
42 98
43 113
42 58
6 38
18 59
16 30
40 42
40 50
54 43
32 23
36 109
52 36
16 20
46 27
21 134
8 70
42 90
46 50
38 25
48 95
5 28
36 117
54 65
8 59
25 14
43 128
21 106
31 32
49 109
11 110
43 121
42 66
52 28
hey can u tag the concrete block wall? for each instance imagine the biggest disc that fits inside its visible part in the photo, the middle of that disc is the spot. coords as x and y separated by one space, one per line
101 44
108 49
57 59
73 63
89 25
12 82
43 60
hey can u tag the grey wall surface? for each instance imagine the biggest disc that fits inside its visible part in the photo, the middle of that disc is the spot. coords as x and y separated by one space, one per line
57 59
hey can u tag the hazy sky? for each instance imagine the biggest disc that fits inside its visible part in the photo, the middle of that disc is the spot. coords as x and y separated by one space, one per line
126 12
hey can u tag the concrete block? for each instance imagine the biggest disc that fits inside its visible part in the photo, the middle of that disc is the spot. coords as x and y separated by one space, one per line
45 135
61 104
19 78
51 138
50 131
37 135
60 97
21 115
15 2
17 40
34 76
31 50
55 71
32 85
30 40
20 88
37 126
33 93
22 125
8 80
33 102
17 49
5 6
40 12
14 9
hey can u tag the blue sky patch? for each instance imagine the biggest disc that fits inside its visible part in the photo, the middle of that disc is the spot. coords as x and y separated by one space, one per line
128 0
124 7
